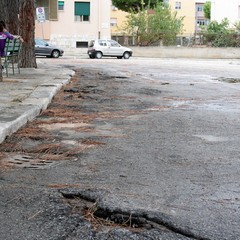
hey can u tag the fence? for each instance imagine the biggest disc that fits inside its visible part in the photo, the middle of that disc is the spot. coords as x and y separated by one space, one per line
198 39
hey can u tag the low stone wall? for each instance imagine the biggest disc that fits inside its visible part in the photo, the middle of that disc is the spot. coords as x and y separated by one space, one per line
187 52
171 52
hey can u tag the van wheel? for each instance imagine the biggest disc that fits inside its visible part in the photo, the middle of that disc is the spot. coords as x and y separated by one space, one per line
98 55
126 55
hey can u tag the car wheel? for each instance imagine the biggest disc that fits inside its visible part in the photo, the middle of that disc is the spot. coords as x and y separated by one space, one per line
98 55
55 53
126 55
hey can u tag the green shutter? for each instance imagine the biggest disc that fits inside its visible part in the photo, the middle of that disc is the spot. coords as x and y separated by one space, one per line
60 3
82 9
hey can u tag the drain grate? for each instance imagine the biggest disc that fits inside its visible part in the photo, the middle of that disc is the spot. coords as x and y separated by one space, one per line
27 161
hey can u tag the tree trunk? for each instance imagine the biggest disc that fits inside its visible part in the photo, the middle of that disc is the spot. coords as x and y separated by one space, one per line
27 31
9 14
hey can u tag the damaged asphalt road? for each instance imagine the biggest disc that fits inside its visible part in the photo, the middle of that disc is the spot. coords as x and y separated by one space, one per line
136 149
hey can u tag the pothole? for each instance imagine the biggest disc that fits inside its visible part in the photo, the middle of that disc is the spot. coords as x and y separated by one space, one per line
120 77
229 80
149 91
101 218
88 205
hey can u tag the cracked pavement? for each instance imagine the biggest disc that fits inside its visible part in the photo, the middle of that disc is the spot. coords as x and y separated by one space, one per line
154 142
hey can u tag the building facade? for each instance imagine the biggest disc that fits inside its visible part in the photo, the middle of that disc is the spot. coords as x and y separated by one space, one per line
192 11
72 23
186 9
117 23
117 20
221 9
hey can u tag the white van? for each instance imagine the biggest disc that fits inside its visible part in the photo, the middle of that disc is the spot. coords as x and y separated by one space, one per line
109 48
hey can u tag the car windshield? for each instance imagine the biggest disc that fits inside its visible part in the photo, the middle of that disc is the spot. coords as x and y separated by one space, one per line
41 42
114 43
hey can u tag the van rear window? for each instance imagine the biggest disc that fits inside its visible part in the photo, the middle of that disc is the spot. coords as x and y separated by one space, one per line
91 43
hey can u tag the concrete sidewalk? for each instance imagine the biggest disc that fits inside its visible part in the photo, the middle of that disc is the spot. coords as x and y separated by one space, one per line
23 96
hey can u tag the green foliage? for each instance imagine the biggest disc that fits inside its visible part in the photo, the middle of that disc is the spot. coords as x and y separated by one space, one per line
154 24
215 27
207 9
221 35
237 26
133 5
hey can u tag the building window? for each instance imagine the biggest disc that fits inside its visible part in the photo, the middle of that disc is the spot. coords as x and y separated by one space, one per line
202 22
82 11
45 4
50 8
113 22
200 8
60 5
178 5
81 44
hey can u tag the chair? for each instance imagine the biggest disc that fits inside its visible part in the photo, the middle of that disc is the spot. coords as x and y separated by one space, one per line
12 50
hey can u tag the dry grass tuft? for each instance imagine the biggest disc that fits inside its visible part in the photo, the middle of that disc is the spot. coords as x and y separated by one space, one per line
2 155
11 145
92 142
62 113
89 214
33 133
50 148
3 164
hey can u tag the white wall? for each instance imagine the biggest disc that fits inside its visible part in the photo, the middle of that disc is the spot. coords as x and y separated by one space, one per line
66 31
221 9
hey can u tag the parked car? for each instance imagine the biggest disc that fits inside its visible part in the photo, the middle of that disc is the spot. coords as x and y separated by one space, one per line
109 48
43 48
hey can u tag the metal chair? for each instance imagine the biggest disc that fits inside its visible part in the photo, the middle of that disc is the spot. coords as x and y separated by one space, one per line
12 50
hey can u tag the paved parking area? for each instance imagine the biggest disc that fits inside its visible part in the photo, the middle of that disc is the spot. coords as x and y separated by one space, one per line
165 136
